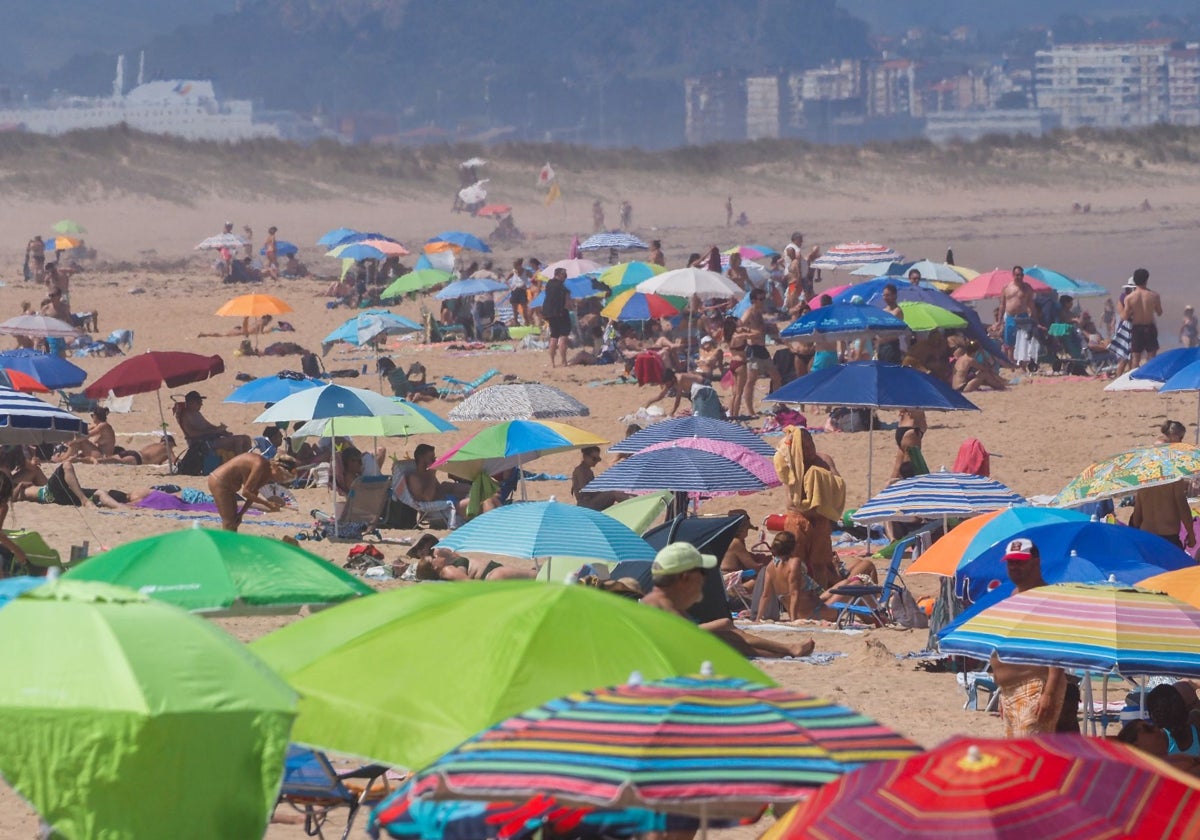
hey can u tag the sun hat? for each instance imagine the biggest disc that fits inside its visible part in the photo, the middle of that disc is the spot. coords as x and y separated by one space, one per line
681 557
193 395
1020 549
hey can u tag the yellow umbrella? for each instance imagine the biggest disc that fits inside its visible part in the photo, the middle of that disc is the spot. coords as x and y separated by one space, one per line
254 306
1183 584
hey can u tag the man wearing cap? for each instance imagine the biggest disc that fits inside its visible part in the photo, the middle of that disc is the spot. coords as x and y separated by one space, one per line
1031 696
678 573
197 429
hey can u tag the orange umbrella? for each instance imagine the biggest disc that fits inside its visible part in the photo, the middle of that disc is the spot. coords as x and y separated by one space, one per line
943 556
1183 584
254 306
23 382
974 536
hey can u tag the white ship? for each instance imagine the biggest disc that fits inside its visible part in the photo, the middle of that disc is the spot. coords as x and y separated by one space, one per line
183 108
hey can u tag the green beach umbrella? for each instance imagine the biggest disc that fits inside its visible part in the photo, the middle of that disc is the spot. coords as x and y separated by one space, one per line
416 421
406 675
640 512
923 317
122 717
68 227
415 281
223 573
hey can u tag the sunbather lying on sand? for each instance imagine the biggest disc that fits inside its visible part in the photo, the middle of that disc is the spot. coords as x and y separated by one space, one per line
446 565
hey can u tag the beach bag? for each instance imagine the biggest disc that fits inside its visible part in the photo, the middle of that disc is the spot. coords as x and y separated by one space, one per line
706 403
311 365
905 611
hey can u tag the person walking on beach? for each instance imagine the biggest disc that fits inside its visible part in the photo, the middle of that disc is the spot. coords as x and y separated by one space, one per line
1108 318
1017 307
1140 308
1189 332
35 258
626 215
1031 696
271 252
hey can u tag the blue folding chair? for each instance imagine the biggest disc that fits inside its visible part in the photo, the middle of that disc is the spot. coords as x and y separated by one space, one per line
312 786
868 603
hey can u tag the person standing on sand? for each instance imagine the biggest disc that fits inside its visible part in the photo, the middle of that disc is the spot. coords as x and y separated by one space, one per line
557 315
678 573
1189 332
1108 319
271 252
1031 696
1017 307
35 256
1140 308
728 211
597 216
240 478
656 256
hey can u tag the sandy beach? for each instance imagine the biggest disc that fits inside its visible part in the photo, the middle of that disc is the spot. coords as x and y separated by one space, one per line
1041 432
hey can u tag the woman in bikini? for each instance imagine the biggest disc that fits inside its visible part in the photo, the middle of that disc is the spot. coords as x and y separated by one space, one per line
736 340
446 565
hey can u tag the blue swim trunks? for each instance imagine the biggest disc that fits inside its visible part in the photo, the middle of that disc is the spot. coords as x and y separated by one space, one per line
191 496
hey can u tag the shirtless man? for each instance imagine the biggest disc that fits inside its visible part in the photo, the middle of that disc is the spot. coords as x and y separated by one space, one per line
58 280
55 307
1140 308
1031 696
240 478
891 350
582 476
35 252
423 484
1016 303
101 440
758 360
678 573
196 427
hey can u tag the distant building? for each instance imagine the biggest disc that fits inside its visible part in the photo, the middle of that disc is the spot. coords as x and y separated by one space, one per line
945 126
1103 85
1183 86
763 113
891 89
714 110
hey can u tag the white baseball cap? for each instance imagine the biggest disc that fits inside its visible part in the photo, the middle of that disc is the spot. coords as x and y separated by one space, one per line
681 557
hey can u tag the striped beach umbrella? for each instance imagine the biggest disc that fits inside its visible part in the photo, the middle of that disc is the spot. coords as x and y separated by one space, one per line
845 321
760 466
513 443
629 273
678 428
680 469
854 254
1095 627
753 252
221 240
633 305
614 239
1052 787
518 401
25 419
939 494
688 745
549 529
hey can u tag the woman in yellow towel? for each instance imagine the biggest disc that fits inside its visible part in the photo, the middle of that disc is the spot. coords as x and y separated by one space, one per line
816 496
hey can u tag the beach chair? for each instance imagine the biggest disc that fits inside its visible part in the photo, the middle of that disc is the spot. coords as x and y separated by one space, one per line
361 513
79 401
460 388
313 787
868 604
438 515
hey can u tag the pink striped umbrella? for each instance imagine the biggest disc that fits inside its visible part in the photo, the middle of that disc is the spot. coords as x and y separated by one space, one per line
757 465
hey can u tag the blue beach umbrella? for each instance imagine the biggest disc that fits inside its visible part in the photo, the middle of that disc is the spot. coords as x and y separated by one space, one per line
937 495
356 251
871 291
549 529
470 287
357 236
680 470
462 240
680 428
577 287
614 239
27 420
1165 365
1074 552
51 371
282 248
1184 380
332 401
335 236
272 389
873 385
370 324
1064 285
845 321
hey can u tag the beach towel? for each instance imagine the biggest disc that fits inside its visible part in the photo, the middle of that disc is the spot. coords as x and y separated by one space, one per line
482 488
825 493
648 368
973 458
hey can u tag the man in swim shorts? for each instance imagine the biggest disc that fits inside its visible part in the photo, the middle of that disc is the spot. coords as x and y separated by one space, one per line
1140 308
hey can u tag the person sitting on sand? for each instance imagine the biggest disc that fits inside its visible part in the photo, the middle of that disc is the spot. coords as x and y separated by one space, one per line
738 557
446 565
1167 710
239 480
101 440
803 598
584 474
705 402
1153 740
970 374
678 575
197 429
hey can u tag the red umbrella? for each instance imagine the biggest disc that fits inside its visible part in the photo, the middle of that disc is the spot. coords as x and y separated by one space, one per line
991 285
1051 788
22 382
150 371
494 210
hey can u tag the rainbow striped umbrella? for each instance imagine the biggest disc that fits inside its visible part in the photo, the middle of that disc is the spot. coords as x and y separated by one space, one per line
690 745
630 273
633 305
1096 627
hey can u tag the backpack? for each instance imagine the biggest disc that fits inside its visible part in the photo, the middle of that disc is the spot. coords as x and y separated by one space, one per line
905 611
310 363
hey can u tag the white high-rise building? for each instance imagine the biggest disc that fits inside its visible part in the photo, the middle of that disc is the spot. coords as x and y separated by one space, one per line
1104 85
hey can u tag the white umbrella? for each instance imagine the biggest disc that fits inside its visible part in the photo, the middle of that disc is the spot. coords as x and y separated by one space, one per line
221 240
1126 382
38 326
518 401
686 282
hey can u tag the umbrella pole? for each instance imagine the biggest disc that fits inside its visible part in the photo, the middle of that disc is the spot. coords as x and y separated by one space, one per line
333 475
166 437
1089 716
1198 418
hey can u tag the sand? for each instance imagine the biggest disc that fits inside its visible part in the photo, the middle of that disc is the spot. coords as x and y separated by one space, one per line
1041 433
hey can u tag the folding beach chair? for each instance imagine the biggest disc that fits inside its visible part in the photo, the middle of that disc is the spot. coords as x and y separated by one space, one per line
868 603
460 388
438 515
79 402
361 513
312 786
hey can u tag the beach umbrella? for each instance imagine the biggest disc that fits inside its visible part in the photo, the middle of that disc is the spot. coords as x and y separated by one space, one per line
630 273
11 587
515 644
871 291
548 529
757 272
513 443
461 239
1126 382
518 401
1052 787
1064 285
335 236
1126 472
991 284
357 251
678 428
636 306
872 385
494 210
359 236
389 247
577 287
253 306
1072 552
853 254
369 325
38 326
574 268
923 317
1094 627
62 243
69 227
1183 584
619 240
27 420
1186 380
937 495
689 745
931 272
415 281
1165 365
221 240
116 695
271 389
282 248
470 287
985 530
844 321
753 252
639 512
686 282
23 382
52 371
416 420
680 469
760 466
222 573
